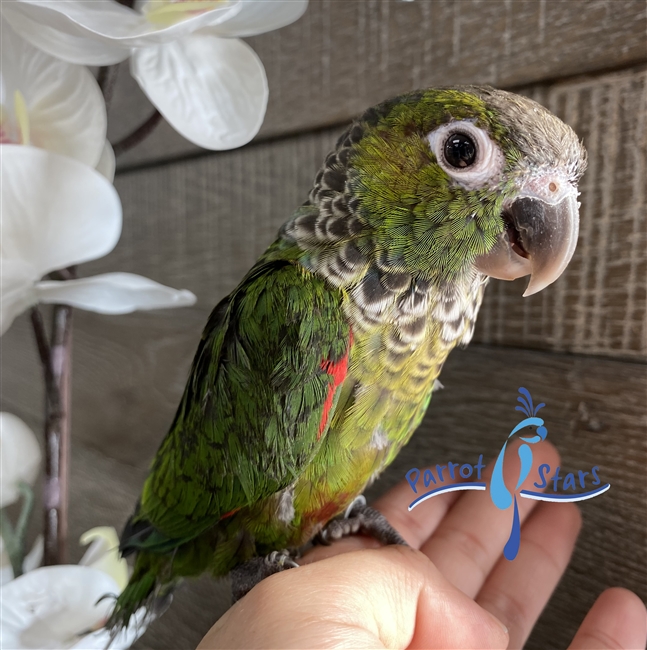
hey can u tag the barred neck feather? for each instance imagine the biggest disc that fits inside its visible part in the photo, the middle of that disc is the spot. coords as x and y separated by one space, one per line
336 243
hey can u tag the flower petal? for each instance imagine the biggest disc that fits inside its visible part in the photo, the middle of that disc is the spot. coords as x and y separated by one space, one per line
50 29
213 91
101 32
19 458
6 573
260 16
174 19
114 293
56 212
106 164
65 108
104 554
17 291
51 606
34 558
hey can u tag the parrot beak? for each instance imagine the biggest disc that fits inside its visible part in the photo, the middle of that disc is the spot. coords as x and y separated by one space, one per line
539 238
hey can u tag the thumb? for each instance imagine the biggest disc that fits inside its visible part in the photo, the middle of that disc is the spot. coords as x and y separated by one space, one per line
390 597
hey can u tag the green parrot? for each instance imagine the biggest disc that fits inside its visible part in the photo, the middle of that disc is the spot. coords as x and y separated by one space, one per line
316 370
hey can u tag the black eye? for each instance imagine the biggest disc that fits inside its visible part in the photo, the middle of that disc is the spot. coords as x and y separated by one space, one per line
460 150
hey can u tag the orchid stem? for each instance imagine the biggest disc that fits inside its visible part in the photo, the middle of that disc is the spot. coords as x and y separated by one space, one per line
138 135
57 438
64 274
40 333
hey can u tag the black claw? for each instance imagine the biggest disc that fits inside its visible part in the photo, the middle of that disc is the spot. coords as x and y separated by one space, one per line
374 523
246 576
360 518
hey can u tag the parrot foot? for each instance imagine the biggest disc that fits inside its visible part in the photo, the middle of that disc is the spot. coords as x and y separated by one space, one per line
246 576
360 518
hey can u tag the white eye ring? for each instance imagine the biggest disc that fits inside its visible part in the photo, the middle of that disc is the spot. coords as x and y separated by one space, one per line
489 163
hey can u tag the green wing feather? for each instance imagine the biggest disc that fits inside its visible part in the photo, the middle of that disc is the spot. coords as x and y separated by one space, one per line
249 420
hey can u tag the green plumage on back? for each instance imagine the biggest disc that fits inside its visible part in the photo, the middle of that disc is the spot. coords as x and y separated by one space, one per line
315 371
255 398
247 425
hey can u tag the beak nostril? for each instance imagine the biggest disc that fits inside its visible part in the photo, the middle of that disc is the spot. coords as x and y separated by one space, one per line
552 187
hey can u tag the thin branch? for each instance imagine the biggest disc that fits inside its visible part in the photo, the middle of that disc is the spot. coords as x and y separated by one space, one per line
41 337
107 78
40 333
57 439
64 274
138 135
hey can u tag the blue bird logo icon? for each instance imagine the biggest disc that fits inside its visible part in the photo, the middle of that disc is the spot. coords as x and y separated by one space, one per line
499 493
441 482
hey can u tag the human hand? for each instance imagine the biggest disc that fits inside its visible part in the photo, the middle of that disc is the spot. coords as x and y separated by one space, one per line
443 592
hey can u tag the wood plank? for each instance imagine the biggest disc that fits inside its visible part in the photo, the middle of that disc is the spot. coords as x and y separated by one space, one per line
595 415
342 57
598 306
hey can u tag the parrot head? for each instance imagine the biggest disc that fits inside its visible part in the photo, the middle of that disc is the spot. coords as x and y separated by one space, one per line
448 183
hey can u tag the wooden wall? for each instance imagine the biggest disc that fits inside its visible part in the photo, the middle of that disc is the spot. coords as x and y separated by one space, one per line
198 220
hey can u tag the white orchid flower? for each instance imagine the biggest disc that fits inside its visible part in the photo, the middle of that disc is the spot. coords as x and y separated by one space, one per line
186 55
65 606
56 213
19 457
48 103
51 104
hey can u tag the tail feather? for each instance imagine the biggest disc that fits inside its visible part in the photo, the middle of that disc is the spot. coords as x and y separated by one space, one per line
146 589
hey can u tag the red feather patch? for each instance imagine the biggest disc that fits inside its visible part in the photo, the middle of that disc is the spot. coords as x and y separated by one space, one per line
338 371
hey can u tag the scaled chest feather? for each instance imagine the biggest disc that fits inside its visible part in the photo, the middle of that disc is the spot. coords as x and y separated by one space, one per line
403 328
